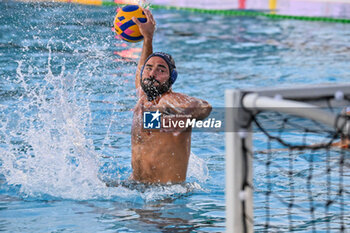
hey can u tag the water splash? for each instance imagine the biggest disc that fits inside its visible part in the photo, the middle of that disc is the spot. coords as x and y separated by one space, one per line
46 151
197 169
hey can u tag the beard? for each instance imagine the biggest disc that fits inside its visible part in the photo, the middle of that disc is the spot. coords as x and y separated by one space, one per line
153 91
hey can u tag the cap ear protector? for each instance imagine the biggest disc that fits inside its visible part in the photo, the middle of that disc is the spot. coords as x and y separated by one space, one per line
171 64
173 76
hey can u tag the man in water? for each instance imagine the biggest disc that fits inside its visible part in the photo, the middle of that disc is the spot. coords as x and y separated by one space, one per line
160 156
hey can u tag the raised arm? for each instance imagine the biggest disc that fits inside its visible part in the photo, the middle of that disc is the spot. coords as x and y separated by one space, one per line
147 30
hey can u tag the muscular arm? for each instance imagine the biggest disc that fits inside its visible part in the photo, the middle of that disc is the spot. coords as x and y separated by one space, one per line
147 49
181 104
147 30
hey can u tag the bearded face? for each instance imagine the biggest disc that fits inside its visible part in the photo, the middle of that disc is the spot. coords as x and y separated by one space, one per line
155 77
153 88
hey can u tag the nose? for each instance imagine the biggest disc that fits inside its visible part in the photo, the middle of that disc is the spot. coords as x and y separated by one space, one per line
152 72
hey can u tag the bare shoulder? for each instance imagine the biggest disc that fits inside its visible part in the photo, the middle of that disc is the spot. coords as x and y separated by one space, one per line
173 97
182 103
179 98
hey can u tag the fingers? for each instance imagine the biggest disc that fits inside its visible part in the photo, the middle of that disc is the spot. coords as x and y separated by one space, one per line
152 19
149 16
136 21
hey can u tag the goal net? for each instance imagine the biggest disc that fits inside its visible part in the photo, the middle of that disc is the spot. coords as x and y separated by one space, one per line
288 159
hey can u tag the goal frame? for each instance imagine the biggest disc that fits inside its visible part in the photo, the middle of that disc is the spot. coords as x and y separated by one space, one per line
285 100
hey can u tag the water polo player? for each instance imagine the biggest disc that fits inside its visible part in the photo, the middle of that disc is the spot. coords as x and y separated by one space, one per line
160 156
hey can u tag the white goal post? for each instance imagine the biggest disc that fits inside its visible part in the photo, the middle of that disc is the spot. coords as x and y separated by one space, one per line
239 196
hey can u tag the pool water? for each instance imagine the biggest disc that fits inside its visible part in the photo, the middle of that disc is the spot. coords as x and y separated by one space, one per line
66 99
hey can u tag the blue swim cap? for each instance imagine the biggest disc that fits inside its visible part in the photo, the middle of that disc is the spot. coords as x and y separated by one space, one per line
169 60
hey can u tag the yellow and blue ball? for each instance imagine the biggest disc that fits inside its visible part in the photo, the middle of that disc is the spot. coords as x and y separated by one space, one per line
125 27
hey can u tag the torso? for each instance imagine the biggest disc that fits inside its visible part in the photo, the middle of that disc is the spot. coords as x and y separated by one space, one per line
158 157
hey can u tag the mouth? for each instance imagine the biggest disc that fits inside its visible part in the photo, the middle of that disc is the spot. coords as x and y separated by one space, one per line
153 87
151 81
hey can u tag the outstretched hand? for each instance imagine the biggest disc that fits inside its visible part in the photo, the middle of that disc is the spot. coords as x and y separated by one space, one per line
146 29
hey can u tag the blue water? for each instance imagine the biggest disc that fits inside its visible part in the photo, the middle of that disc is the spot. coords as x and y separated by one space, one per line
66 99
